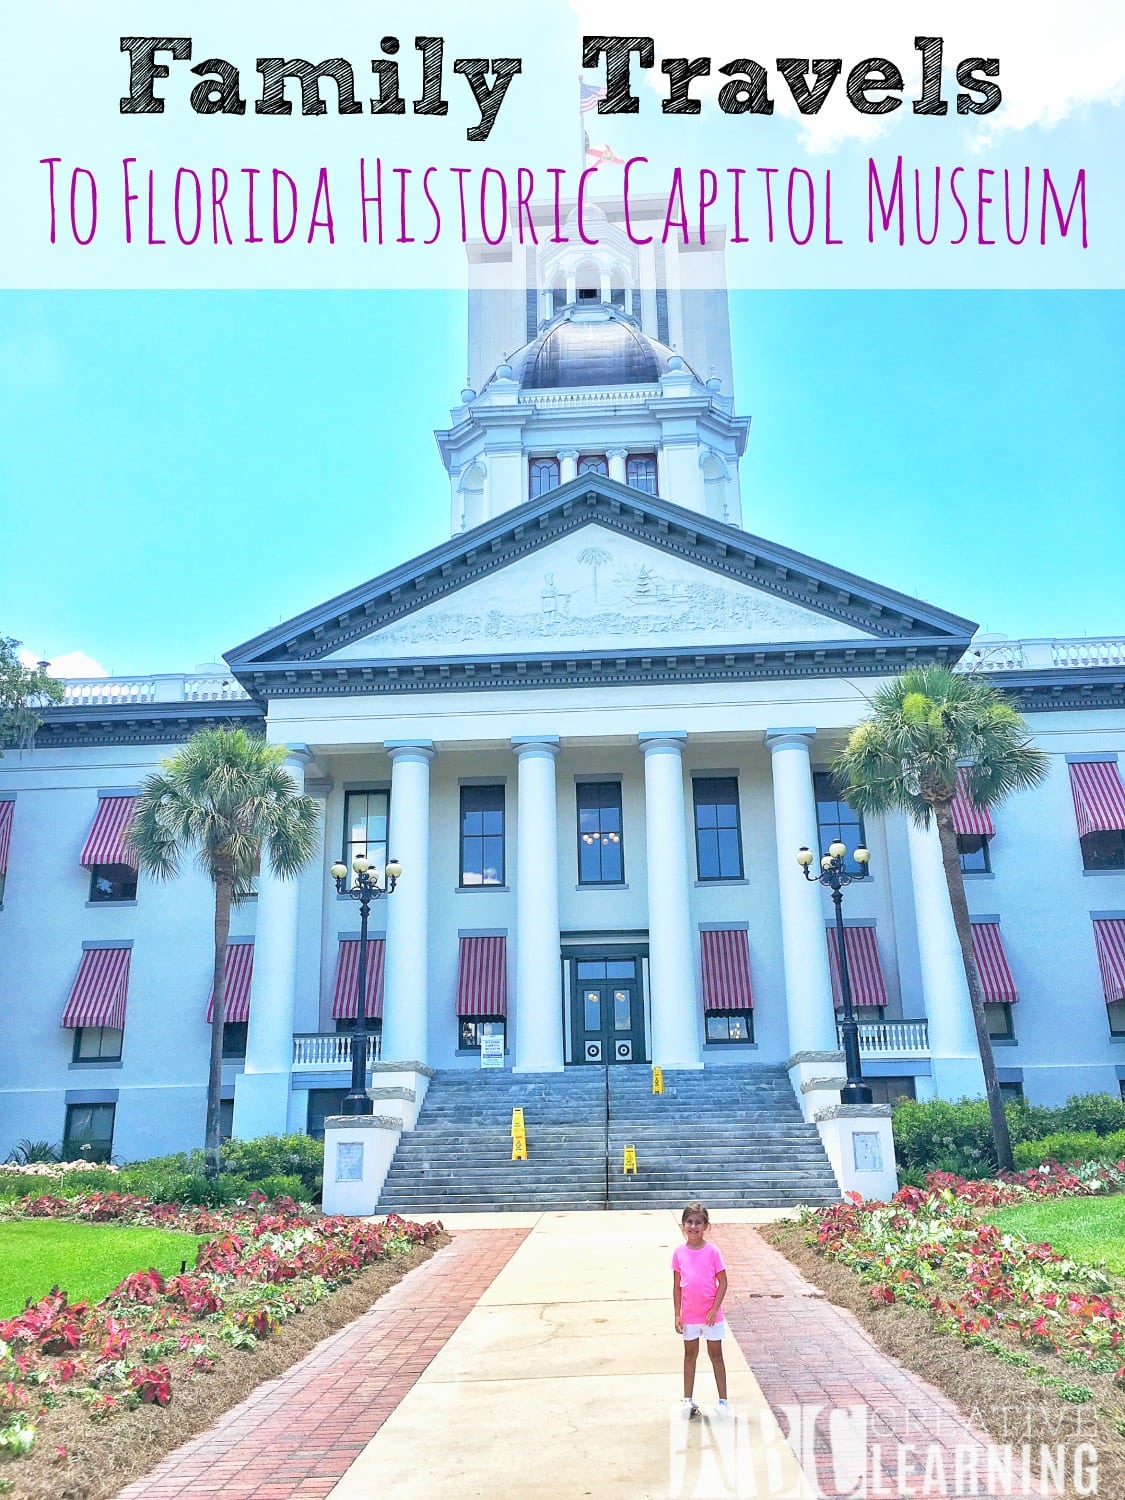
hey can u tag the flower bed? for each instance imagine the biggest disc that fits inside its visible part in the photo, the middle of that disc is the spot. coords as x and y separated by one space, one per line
927 1249
265 1262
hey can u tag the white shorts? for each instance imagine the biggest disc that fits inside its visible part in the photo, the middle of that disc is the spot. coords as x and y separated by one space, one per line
712 1332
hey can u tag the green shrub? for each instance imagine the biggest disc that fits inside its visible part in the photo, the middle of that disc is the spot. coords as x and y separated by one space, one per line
938 1135
1101 1113
1071 1145
278 1156
213 1192
279 1186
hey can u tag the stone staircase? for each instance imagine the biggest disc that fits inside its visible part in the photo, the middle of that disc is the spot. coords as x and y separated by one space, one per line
732 1137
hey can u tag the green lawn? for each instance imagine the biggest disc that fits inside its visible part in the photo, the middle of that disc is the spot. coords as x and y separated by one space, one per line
1085 1229
86 1260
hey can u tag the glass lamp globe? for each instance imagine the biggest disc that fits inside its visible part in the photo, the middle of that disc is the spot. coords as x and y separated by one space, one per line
836 849
861 855
804 856
393 870
361 863
339 871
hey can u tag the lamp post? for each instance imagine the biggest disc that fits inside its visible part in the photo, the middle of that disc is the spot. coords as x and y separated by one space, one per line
364 889
834 875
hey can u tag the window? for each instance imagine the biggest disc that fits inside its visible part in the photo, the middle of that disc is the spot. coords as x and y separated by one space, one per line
1011 1093
88 1133
836 820
482 835
730 1026
718 846
1104 850
472 1028
1001 1026
640 472
543 475
234 1038
97 1043
1116 1014
347 1024
365 827
973 849
887 1090
226 1119
3 879
113 883
601 855
593 463
247 889
322 1103
1121 1087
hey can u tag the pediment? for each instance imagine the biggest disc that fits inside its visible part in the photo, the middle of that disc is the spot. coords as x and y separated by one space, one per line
596 590
595 567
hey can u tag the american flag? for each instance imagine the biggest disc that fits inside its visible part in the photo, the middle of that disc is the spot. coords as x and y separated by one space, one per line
588 96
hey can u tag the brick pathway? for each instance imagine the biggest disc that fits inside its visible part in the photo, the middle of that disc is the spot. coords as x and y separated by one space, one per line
808 1353
298 1434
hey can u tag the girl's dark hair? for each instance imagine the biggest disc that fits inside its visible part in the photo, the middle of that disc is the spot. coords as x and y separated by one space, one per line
695 1211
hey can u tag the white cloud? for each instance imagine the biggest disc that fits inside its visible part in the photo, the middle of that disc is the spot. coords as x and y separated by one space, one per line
1054 59
69 664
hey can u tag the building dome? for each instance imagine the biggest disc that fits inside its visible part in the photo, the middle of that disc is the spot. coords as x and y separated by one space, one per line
591 347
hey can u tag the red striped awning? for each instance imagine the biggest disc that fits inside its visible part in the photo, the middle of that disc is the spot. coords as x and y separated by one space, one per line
1109 934
726 970
345 1001
992 964
239 970
482 978
864 970
6 811
966 817
1099 796
106 846
100 989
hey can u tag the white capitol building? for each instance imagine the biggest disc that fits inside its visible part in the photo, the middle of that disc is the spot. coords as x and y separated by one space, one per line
594 726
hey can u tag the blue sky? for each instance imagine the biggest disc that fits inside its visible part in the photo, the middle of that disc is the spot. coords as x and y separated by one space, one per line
179 471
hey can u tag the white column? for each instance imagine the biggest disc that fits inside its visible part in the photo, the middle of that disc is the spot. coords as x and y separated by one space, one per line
808 986
406 978
538 998
674 993
617 457
955 1056
261 1101
568 464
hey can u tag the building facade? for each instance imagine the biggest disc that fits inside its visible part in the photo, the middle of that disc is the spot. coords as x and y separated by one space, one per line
594 727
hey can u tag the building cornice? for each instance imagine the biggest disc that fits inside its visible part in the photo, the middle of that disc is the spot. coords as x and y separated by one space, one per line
1053 689
64 728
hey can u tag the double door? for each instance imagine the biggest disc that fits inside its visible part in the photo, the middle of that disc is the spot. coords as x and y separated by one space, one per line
607 1011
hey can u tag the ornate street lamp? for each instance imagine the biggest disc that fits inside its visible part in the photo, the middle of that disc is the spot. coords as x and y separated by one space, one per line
364 889
834 875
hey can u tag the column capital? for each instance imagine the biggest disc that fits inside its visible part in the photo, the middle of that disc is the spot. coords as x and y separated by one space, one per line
666 739
784 739
564 453
410 750
535 744
319 786
300 753
617 453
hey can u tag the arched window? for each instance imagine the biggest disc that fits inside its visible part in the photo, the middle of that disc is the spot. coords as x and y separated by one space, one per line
640 472
543 476
593 463
588 282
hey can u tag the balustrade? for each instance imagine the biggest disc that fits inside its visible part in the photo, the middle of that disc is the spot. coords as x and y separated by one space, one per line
329 1049
882 1038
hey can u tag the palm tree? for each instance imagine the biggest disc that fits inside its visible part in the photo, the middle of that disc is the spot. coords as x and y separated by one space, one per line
226 797
595 558
925 724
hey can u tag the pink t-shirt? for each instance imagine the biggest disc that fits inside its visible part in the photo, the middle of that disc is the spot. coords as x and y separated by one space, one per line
699 1275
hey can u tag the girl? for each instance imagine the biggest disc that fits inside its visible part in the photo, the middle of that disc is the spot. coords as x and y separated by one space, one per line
699 1284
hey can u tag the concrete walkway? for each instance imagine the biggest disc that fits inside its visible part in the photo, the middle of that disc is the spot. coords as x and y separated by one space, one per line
536 1357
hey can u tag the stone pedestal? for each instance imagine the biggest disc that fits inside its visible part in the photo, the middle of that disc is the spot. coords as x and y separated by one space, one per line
858 1141
357 1156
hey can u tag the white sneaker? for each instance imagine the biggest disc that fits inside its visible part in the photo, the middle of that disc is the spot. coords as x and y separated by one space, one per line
688 1408
723 1409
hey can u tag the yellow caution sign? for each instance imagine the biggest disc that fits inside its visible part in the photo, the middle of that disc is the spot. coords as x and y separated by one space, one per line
657 1079
519 1146
517 1121
630 1162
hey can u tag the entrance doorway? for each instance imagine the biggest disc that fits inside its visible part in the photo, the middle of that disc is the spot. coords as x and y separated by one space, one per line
607 1011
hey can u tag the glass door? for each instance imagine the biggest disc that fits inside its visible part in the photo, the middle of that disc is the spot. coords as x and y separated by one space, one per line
607 1011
